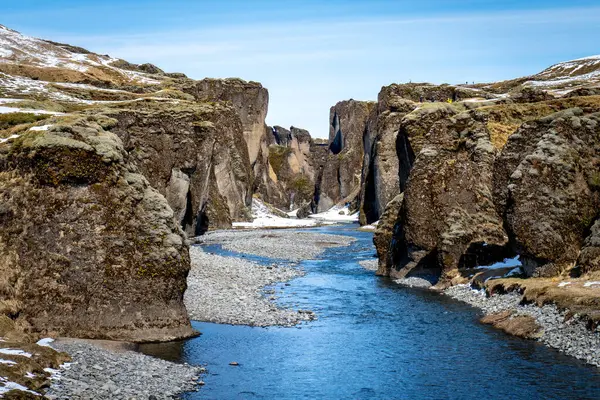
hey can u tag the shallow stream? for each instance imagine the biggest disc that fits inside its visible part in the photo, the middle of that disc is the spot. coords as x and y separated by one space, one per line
374 340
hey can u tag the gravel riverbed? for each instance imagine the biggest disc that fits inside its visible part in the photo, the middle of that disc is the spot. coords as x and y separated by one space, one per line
275 243
99 373
229 290
568 335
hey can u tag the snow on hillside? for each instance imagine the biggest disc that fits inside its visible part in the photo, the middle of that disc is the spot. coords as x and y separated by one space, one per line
581 66
568 75
336 213
16 48
265 218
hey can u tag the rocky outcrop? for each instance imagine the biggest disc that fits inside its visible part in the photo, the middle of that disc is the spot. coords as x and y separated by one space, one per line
388 154
249 99
290 181
383 237
468 200
546 165
340 177
589 258
89 247
449 209
194 154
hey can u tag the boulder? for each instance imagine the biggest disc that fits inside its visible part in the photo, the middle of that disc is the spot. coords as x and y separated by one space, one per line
89 248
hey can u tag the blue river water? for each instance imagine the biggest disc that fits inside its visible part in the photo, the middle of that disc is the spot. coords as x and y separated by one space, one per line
374 340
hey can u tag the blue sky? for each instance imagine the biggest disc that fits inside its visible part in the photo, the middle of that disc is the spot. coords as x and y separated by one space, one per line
311 54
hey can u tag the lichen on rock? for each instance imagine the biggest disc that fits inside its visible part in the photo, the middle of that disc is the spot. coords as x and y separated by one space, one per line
89 248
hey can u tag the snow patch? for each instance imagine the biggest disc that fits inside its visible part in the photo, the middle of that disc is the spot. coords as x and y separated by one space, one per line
507 262
338 214
9 362
8 386
513 272
45 342
15 352
264 218
40 128
563 284
592 283
8 138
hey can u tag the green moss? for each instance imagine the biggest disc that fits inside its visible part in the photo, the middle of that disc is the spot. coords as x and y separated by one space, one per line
594 180
13 119
302 186
277 156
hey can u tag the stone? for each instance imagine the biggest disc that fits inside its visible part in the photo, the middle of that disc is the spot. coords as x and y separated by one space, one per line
449 214
384 233
194 154
558 166
104 262
340 177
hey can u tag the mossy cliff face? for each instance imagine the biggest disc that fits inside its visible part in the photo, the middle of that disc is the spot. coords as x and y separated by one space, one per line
194 154
474 194
89 248
448 204
379 177
249 99
340 177
289 179
547 185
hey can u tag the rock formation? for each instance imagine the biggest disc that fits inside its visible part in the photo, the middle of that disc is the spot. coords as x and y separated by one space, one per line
544 166
340 178
249 99
194 154
89 248
481 185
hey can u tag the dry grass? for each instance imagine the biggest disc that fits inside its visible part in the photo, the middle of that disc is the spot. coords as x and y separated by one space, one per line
575 297
523 326
500 132
505 119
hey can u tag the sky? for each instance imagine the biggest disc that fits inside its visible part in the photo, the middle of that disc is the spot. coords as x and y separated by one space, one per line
311 54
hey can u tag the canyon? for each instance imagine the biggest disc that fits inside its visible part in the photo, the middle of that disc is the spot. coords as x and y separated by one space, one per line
109 169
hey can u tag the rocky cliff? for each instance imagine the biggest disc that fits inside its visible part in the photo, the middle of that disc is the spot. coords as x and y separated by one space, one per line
484 179
89 247
194 154
249 99
95 202
291 168
339 179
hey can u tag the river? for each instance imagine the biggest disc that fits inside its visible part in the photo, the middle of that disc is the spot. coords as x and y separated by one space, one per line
374 340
